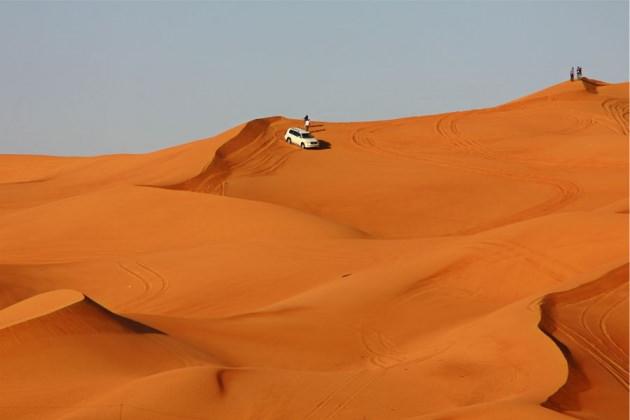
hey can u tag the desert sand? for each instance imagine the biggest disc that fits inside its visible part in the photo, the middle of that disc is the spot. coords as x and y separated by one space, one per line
468 265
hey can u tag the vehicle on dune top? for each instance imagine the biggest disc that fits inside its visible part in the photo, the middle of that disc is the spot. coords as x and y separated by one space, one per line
301 137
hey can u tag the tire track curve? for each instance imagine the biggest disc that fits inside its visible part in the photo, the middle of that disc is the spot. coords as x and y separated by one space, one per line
565 191
617 110
152 289
577 320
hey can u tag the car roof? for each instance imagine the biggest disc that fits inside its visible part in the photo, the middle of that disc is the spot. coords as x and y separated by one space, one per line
299 130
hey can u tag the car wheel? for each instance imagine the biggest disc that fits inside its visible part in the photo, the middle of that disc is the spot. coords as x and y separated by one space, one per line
289 140
302 145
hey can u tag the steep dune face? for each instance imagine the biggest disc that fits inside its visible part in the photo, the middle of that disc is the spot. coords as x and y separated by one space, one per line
590 324
65 348
37 306
444 266
255 150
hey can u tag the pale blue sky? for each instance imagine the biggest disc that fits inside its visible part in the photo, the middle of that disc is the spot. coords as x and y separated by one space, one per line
91 78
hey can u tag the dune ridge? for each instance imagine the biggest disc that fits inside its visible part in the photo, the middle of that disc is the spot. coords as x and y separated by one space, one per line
253 151
594 339
37 306
466 265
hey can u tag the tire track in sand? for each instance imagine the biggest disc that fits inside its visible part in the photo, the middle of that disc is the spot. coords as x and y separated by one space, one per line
162 280
254 151
565 191
446 127
382 355
502 250
618 371
357 378
382 350
147 295
340 396
565 318
145 284
617 110
603 324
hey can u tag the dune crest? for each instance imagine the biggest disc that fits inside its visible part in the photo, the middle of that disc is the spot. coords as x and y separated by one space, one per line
37 306
253 151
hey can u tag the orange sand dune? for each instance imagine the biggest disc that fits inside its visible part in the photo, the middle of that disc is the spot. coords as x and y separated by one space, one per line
468 265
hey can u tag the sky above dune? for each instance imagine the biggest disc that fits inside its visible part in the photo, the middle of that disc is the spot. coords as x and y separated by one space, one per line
92 78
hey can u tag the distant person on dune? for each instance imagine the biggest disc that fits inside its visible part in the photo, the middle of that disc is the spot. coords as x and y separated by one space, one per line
307 122
572 74
579 72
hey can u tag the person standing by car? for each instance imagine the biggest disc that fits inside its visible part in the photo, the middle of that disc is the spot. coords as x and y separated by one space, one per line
307 122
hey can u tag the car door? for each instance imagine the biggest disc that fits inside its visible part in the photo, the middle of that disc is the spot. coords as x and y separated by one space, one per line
294 136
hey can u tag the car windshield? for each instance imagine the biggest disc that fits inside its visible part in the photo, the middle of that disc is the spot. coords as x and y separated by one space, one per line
307 136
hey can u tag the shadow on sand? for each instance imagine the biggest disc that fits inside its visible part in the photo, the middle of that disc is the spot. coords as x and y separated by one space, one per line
316 128
323 145
591 85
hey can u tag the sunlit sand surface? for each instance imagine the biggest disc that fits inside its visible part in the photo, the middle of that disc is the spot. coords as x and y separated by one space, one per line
468 265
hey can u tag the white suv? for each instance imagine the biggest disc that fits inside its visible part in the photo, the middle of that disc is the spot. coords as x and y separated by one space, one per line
301 137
